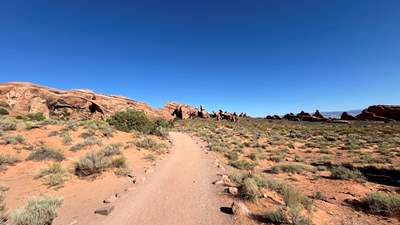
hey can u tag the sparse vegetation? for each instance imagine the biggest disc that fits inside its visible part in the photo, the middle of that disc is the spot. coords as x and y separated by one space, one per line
380 203
341 172
289 168
92 163
147 143
242 164
45 153
55 175
277 216
38 211
8 160
112 149
13 139
39 116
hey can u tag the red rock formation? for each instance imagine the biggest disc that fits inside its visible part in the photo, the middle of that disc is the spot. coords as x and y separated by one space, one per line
21 98
391 112
346 116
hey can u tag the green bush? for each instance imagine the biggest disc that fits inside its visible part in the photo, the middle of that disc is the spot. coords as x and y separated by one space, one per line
39 116
379 203
119 162
131 120
38 211
44 153
341 172
92 163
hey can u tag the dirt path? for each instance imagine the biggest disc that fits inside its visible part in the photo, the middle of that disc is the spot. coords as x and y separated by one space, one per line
179 191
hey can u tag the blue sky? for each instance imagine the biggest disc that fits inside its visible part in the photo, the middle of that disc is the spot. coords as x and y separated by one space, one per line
261 57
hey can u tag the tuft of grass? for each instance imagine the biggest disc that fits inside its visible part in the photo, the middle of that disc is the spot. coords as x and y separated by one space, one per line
277 216
66 137
39 116
147 143
123 171
38 211
289 168
242 164
8 160
14 139
54 175
119 162
131 120
44 153
92 163
8 124
232 155
112 149
89 141
382 204
249 189
341 172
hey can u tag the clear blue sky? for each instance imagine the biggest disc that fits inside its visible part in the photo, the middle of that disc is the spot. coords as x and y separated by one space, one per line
262 57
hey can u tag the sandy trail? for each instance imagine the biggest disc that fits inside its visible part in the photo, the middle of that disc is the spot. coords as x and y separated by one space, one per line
179 192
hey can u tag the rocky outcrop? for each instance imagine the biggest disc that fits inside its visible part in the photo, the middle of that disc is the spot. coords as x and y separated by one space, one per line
346 116
20 98
319 116
381 113
221 115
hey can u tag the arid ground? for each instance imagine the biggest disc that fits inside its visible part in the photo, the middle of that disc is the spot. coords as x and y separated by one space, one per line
274 172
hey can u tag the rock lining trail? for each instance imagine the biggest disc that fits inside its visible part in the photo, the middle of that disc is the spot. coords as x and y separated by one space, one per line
178 192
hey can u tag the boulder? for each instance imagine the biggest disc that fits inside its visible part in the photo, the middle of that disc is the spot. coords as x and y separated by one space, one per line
318 115
104 210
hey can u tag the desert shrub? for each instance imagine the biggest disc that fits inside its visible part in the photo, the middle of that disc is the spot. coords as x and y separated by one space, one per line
341 172
44 153
242 164
123 171
88 133
294 198
150 157
54 175
107 131
14 139
257 155
66 137
232 155
92 163
380 203
38 211
249 189
289 168
147 143
39 116
89 141
8 124
277 216
131 120
8 160
296 218
119 162
3 111
112 149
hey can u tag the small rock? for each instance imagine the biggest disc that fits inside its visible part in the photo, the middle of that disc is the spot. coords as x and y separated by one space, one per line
233 190
226 181
104 210
217 182
240 209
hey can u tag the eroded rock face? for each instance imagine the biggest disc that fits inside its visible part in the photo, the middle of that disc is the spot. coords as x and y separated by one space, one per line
380 112
346 116
24 98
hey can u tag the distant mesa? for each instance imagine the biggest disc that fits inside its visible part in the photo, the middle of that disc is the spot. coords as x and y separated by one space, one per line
385 113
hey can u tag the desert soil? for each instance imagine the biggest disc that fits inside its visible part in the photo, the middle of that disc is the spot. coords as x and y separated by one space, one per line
179 191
